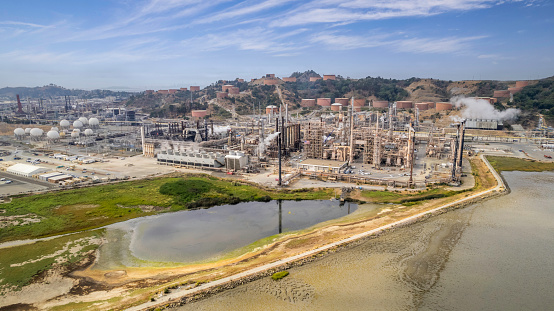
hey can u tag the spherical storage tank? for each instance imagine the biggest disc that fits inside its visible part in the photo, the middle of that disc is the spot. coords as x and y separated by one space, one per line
199 113
93 122
443 106
77 124
76 133
308 102
336 107
88 132
54 129
19 132
27 131
380 104
36 132
53 135
64 123
324 102
83 120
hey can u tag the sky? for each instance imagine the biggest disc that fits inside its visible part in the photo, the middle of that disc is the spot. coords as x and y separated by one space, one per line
158 44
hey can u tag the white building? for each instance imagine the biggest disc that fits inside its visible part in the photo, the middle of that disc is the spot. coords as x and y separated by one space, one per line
205 159
236 160
26 170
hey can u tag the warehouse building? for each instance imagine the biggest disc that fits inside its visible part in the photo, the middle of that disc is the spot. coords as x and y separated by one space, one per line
236 160
26 170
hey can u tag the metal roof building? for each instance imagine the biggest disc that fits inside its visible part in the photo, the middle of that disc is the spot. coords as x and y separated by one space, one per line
26 169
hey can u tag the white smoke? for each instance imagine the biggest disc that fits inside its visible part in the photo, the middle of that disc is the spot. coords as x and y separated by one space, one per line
218 129
265 142
482 109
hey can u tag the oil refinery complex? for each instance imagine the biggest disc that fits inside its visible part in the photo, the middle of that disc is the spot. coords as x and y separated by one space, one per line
357 140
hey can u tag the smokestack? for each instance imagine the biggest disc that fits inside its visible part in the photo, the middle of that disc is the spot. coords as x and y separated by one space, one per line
143 140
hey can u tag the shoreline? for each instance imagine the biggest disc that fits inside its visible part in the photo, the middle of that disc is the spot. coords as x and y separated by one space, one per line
183 296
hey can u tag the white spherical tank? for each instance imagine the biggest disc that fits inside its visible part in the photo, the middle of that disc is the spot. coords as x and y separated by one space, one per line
55 129
88 132
36 132
75 134
77 124
53 135
19 132
28 130
93 122
83 120
64 123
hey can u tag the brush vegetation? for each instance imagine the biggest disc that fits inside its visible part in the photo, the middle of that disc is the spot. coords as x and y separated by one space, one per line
501 164
92 207
279 275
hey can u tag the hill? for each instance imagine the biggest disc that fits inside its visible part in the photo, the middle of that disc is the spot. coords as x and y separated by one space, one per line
52 90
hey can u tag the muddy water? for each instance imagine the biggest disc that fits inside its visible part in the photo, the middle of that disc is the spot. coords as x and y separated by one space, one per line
495 255
205 234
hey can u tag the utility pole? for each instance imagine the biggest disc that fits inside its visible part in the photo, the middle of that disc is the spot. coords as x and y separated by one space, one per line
351 156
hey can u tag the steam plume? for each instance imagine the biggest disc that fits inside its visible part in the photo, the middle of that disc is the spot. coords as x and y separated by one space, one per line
482 109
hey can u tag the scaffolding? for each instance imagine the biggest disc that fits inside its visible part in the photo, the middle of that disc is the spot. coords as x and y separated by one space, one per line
314 141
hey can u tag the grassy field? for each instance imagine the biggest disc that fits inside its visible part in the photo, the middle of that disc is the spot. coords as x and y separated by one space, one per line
93 207
501 164
20 264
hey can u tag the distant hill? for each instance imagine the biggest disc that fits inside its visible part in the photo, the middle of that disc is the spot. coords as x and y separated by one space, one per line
51 90
537 97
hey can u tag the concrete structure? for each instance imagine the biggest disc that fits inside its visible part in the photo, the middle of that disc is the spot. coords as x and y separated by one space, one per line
324 102
380 104
194 88
234 90
359 102
443 106
483 124
329 77
316 165
501 93
336 107
271 81
289 79
422 106
199 113
271 109
202 159
522 83
235 160
404 104
26 170
307 102
314 79
222 94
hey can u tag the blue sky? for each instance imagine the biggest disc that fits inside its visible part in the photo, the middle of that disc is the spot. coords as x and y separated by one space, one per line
154 44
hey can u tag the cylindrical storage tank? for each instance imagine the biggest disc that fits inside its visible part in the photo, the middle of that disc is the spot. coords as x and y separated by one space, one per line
271 109
431 105
194 88
289 79
88 132
28 130
93 122
514 90
443 106
501 93
336 106
329 77
221 94
380 104
77 124
324 102
226 87
422 106
359 102
64 123
522 83
199 113
404 104
313 79
234 90
19 132
308 102
83 120
343 101
53 135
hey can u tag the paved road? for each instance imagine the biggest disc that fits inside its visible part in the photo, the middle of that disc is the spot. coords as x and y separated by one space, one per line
177 294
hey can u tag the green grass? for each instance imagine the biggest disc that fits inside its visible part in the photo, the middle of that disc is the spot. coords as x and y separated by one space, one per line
39 257
93 207
279 275
407 199
501 164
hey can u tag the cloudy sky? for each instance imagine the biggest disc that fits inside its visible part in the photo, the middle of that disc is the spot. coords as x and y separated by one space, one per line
143 44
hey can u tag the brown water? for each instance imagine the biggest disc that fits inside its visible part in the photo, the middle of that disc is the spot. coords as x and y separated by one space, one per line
495 255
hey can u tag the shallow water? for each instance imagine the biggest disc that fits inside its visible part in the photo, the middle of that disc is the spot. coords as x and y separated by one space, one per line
494 255
197 235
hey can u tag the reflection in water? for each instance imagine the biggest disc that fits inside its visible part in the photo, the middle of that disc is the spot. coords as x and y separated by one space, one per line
494 255
197 235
